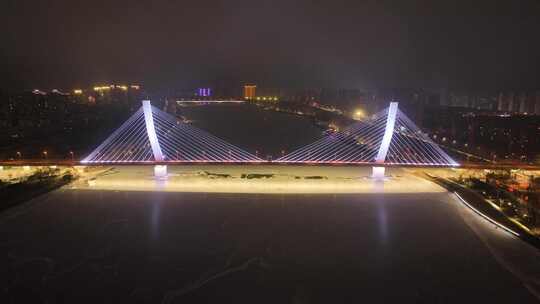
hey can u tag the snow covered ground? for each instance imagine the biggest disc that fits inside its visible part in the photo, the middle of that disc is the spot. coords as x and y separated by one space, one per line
257 179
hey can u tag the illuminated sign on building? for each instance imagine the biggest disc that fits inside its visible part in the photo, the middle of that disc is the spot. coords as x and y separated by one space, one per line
204 92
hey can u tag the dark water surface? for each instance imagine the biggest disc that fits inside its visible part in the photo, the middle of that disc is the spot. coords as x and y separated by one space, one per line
253 129
84 246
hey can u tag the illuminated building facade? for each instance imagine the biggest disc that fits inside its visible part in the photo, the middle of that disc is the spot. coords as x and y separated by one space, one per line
250 92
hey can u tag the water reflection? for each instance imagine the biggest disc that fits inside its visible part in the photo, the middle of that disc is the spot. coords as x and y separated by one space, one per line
382 222
155 215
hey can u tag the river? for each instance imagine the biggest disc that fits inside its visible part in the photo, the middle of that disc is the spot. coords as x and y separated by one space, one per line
266 133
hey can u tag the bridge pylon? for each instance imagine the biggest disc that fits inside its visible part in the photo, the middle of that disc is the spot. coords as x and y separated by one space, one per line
160 171
378 171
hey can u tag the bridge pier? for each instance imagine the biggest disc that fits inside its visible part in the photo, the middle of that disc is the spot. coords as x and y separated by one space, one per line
378 173
160 171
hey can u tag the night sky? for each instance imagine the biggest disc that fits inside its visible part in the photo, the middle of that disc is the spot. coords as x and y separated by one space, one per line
472 44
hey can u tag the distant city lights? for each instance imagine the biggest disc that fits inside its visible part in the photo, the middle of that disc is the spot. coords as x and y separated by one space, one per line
204 92
359 114
250 91
58 92
112 86
102 88
267 98
38 92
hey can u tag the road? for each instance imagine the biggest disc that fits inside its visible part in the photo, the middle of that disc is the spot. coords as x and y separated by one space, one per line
63 162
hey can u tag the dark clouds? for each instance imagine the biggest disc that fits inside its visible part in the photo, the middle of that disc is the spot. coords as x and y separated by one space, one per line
283 43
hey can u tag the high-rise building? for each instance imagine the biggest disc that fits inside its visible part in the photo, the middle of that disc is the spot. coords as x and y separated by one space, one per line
501 102
250 91
511 102
537 103
522 103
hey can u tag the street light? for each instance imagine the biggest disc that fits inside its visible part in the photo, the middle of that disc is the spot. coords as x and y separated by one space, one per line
72 155
359 114
19 155
45 154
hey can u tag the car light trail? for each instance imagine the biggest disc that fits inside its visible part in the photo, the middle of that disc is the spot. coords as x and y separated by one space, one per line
485 216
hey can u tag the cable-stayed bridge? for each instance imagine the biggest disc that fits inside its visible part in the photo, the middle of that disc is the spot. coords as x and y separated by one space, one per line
153 136
389 137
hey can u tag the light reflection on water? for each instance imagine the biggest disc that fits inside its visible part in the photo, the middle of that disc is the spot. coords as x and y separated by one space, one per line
155 217
382 221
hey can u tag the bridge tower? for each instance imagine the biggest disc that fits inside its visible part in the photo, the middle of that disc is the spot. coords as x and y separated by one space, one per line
378 171
159 170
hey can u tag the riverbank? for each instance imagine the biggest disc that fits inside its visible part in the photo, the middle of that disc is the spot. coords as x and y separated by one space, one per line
480 205
24 188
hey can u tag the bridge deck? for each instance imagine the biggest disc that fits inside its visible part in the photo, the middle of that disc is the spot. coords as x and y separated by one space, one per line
466 165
